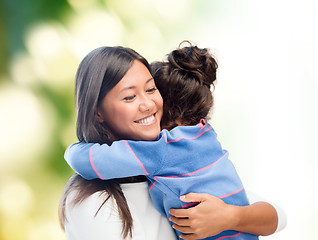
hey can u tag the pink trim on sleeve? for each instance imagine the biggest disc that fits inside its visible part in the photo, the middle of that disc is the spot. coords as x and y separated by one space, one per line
92 163
199 170
178 139
152 185
230 194
142 166
229 236
188 174
189 204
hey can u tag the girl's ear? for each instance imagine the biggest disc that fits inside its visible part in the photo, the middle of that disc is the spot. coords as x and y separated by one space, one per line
99 116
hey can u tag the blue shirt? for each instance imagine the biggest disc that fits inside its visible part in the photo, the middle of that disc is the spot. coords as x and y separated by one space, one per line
183 160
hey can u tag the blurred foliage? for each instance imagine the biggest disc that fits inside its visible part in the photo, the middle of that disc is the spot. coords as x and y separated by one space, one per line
17 16
32 185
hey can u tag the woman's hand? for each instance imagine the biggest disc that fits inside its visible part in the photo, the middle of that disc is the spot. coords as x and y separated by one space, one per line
210 217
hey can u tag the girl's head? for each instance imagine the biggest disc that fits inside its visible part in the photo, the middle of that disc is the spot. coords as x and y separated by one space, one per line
116 97
184 81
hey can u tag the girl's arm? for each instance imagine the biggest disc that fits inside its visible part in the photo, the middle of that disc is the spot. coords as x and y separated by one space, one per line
126 158
213 216
121 159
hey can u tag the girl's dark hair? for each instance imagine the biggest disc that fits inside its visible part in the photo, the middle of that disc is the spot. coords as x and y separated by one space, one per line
97 74
184 81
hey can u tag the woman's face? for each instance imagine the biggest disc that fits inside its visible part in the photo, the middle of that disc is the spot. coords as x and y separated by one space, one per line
133 108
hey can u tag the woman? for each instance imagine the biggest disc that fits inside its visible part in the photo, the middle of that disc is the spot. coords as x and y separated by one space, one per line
107 81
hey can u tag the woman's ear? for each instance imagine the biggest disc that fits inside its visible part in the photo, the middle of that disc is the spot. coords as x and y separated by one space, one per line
99 116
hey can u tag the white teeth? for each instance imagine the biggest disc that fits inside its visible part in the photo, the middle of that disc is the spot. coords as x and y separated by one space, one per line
146 121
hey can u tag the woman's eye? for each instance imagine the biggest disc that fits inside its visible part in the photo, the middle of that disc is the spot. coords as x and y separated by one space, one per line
151 90
129 98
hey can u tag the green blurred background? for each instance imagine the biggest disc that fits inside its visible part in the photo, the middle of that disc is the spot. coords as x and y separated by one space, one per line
266 95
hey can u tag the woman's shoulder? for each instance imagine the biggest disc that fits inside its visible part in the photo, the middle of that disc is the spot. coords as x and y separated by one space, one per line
91 208
92 218
96 204
83 223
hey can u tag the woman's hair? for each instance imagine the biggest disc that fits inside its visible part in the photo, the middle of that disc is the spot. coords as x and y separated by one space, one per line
184 81
97 74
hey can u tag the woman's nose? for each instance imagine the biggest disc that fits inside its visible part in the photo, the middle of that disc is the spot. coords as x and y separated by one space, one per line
146 104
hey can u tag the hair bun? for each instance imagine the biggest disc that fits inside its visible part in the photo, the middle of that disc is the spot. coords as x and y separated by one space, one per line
195 62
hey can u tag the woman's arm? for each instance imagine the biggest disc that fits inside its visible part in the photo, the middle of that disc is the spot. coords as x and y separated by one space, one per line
213 216
281 215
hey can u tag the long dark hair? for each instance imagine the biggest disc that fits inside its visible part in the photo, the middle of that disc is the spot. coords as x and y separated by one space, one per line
97 74
185 82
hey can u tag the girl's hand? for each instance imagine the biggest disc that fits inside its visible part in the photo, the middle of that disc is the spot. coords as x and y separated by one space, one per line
210 217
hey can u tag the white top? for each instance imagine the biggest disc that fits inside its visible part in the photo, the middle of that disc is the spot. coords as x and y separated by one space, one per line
148 224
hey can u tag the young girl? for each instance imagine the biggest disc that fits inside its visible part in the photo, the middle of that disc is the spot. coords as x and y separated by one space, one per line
188 158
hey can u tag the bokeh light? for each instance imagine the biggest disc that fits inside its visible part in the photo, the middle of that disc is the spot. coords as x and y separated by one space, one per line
49 45
15 198
25 130
95 27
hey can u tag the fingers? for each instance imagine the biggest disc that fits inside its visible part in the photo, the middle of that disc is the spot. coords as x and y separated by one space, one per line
180 221
185 230
188 233
194 197
189 236
179 213
190 197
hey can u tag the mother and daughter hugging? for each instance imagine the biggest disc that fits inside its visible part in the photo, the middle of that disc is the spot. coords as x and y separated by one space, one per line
148 164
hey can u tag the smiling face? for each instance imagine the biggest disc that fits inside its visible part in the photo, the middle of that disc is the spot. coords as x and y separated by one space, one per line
133 108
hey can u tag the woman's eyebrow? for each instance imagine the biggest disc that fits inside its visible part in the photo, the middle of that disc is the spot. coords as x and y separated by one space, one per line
133 86
149 80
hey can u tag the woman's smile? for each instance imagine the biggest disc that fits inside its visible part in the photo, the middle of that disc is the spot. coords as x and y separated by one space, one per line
147 120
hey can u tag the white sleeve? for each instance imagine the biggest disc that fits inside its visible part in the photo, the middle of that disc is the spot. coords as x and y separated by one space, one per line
82 223
282 218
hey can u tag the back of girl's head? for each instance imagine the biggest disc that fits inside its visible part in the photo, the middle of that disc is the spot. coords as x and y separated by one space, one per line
184 81
97 74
